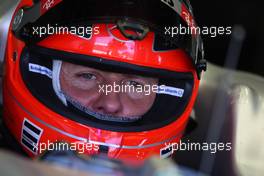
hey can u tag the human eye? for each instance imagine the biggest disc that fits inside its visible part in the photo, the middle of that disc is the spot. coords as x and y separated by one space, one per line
86 76
134 83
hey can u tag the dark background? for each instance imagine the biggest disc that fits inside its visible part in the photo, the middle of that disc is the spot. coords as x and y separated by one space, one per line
249 14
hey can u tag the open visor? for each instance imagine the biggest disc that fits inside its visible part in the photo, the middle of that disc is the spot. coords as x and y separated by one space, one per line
172 97
141 16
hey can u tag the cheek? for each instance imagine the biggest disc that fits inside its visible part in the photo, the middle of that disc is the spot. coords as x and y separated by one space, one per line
137 107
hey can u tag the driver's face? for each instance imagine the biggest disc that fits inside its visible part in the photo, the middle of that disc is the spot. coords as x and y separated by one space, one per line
82 83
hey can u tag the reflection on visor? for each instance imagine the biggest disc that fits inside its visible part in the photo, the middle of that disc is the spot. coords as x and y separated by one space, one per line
100 116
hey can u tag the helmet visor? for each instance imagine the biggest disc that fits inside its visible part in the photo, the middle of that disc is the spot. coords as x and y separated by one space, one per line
76 89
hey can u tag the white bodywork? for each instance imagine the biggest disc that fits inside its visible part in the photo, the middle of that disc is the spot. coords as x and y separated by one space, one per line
7 8
245 92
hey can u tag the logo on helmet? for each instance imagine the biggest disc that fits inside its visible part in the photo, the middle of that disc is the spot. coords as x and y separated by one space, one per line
48 4
30 136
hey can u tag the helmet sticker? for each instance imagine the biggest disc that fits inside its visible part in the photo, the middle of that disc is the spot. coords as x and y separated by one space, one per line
166 151
40 69
30 136
177 92
48 4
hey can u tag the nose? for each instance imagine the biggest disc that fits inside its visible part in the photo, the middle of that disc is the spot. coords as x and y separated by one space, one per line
108 104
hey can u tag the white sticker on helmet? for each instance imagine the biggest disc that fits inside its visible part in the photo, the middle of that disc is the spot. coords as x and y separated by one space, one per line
40 69
30 136
166 151
177 92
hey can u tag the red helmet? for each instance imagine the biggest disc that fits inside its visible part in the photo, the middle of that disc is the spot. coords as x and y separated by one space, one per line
131 37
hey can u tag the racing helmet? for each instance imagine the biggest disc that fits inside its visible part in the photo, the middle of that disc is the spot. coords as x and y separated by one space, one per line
138 37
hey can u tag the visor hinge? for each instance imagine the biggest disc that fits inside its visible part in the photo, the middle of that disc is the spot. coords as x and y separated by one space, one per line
24 16
201 66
